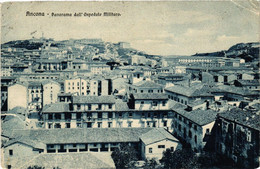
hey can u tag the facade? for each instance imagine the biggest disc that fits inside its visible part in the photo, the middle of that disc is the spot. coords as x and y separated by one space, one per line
67 141
146 87
102 112
193 127
51 89
17 96
93 86
188 94
155 142
237 137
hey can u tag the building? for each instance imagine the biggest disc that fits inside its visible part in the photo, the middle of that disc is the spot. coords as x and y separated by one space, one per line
146 87
155 142
237 137
78 142
148 101
17 96
51 89
188 94
88 86
193 127
103 112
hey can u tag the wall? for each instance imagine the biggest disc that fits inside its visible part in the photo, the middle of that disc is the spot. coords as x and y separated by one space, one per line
158 152
17 96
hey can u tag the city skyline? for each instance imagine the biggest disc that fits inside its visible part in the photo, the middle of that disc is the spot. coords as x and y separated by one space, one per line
182 28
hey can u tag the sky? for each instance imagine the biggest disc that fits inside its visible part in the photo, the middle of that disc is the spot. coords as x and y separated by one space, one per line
160 28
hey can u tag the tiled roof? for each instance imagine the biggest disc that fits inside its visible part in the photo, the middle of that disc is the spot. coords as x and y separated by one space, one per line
155 135
25 140
147 84
93 99
90 160
242 117
198 116
121 106
193 91
89 135
150 96
50 81
254 82
56 108
236 90
10 123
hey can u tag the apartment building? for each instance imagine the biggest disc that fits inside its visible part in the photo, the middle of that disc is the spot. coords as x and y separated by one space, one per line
88 86
237 137
193 126
103 112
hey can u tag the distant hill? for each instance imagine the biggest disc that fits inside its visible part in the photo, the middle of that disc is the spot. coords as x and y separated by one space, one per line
247 51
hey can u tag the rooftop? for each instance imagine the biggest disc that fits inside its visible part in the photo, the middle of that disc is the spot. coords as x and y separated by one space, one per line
90 160
192 91
147 84
242 117
150 96
89 135
56 108
155 135
93 99
198 116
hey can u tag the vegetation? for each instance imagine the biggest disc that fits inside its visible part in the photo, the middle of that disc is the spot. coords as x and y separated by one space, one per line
123 155
184 158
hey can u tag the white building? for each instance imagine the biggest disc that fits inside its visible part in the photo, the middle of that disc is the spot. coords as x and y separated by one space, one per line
17 96
155 142
51 89
194 127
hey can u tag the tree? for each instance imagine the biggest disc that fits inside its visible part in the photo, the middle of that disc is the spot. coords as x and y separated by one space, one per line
151 164
123 155
184 158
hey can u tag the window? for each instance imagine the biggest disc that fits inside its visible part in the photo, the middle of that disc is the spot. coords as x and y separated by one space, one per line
10 152
143 115
248 136
99 107
89 125
99 115
142 91
195 138
110 106
109 124
161 146
67 125
195 127
142 102
165 124
150 150
89 107
99 124
163 103
154 103
78 107
130 114
74 145
50 116
9 167
120 115
190 134
130 124
110 115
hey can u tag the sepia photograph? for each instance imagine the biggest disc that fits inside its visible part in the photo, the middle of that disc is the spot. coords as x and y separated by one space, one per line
130 84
